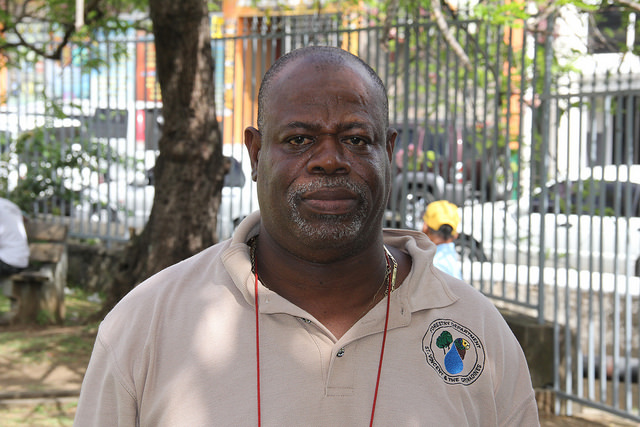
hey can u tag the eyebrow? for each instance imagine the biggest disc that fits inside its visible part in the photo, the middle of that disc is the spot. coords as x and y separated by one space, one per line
341 126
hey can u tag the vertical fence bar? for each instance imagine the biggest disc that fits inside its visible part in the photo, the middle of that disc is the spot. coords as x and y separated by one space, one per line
544 148
628 208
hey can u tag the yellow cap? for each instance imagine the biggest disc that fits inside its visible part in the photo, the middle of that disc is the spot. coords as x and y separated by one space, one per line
440 213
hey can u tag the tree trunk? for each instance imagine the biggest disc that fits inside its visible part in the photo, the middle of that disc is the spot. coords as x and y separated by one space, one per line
189 170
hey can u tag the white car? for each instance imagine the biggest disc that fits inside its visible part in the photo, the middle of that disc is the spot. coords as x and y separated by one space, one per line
586 223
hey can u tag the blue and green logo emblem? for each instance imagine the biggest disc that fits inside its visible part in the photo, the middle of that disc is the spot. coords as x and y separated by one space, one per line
454 351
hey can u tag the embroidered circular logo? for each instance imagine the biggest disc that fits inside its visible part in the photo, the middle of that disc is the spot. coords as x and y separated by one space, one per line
456 353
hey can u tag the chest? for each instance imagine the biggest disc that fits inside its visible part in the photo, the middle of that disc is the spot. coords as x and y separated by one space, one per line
305 379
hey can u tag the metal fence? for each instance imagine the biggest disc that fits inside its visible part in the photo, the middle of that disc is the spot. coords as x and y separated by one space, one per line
544 167
593 229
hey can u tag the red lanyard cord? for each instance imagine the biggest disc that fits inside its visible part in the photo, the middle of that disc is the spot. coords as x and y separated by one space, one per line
257 348
384 340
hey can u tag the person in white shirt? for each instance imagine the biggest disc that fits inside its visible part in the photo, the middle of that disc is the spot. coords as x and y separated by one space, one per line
14 247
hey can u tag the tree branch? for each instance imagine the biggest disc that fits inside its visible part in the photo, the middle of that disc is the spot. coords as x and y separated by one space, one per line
391 15
447 34
598 34
630 4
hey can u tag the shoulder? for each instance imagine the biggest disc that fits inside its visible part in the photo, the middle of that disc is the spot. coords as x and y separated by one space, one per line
493 351
475 307
441 296
175 291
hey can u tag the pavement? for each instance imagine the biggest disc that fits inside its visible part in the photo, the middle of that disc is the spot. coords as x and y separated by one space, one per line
587 418
581 415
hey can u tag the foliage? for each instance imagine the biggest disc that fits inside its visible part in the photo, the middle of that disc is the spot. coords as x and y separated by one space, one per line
46 162
44 317
22 21
481 36
51 168
512 13
48 167
585 197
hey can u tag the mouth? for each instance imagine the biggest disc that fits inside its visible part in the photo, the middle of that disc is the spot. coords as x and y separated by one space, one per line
330 201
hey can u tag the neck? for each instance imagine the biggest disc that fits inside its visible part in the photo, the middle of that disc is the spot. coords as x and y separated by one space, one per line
337 292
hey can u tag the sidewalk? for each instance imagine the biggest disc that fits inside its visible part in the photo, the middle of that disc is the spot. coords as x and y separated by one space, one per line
587 418
582 415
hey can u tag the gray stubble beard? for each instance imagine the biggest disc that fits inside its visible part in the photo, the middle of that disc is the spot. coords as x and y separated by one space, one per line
328 228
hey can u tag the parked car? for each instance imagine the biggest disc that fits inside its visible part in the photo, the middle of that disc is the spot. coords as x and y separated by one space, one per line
468 159
590 222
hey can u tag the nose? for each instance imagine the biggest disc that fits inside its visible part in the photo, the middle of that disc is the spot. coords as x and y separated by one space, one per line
328 157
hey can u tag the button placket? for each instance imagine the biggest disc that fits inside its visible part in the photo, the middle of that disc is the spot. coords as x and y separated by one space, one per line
342 371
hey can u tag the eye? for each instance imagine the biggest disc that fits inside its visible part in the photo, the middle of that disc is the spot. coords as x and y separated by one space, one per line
299 140
356 141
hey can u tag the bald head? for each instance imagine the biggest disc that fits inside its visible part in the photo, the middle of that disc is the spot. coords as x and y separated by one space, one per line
323 56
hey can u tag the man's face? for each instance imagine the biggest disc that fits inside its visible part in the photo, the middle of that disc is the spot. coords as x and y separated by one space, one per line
323 163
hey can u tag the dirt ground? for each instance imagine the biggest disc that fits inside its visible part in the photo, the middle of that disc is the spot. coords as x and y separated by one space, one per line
36 359
41 371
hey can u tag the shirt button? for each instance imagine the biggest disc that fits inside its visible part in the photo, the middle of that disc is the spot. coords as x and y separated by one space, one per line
340 352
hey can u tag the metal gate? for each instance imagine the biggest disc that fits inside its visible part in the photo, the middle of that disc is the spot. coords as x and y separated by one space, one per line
543 165
593 205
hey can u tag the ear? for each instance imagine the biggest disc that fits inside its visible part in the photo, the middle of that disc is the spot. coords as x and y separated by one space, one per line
391 142
253 142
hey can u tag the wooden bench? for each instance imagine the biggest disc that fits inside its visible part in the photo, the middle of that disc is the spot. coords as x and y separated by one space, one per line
39 289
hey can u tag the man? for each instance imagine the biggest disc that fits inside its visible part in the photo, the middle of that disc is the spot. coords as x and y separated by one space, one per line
441 220
14 247
310 314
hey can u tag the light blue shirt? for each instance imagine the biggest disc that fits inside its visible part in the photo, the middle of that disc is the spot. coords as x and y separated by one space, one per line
446 259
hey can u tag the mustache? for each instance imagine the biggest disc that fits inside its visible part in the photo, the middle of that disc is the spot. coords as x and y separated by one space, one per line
296 191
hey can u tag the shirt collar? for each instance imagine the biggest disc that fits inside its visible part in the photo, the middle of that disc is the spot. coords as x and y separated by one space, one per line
425 287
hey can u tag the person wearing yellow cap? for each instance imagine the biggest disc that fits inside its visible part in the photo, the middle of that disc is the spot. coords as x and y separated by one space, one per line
441 221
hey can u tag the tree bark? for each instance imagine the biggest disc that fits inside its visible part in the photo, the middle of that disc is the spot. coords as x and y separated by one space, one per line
189 171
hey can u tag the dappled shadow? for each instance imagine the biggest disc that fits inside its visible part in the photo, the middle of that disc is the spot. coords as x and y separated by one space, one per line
43 358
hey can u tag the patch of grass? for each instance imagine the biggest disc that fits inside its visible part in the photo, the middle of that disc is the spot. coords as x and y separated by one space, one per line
44 317
59 413
53 347
79 306
57 345
5 304
62 349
